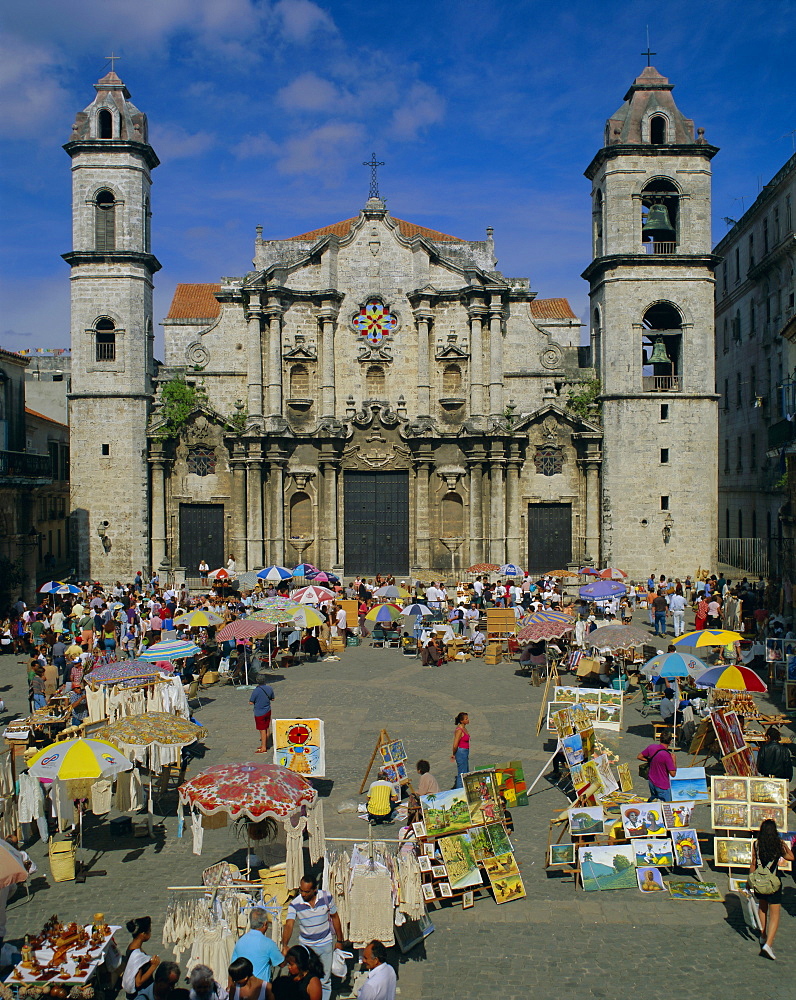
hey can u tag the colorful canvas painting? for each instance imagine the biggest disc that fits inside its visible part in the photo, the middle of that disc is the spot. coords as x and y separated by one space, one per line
790 675
445 812
395 772
737 884
604 707
729 789
588 740
573 749
689 783
722 731
706 891
735 730
757 813
732 852
729 815
393 753
650 880
625 777
643 819
585 820
480 843
790 697
677 814
591 775
460 861
582 716
610 867
740 763
609 782
501 866
774 650
499 839
480 788
769 790
507 889
511 784
686 848
560 719
653 851
562 854
299 745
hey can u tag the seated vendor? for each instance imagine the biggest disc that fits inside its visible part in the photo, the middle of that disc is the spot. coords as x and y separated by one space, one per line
431 653
381 798
479 641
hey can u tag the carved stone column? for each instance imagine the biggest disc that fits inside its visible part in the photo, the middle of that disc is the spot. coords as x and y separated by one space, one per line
238 500
495 355
422 537
476 513
423 317
274 311
476 314
254 505
328 526
158 462
593 511
497 513
328 320
254 359
513 540
277 510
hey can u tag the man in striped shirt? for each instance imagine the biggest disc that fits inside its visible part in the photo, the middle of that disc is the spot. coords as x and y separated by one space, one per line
319 925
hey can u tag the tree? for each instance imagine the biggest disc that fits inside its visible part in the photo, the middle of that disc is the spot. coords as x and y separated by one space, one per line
621 863
582 399
179 400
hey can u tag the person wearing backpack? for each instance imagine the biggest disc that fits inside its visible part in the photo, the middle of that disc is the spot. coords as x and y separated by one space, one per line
773 758
766 883
659 767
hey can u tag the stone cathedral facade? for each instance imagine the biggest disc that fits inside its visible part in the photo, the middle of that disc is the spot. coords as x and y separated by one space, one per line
377 396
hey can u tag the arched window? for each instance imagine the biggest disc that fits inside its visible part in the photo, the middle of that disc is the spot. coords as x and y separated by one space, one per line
202 461
452 516
660 216
299 382
105 221
451 380
659 126
597 223
374 382
662 348
105 340
105 124
300 516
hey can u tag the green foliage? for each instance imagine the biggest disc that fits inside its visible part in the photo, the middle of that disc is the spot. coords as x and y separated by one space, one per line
12 577
582 398
781 485
179 401
621 863
238 420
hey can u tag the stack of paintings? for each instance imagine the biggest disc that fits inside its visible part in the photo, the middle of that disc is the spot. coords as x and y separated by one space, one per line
604 705
393 761
742 803
511 783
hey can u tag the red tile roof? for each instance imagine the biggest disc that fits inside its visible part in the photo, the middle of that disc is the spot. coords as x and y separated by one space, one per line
41 416
408 229
19 358
195 302
552 309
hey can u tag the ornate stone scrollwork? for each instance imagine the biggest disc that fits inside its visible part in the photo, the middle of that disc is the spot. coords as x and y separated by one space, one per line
197 354
419 427
552 357
330 427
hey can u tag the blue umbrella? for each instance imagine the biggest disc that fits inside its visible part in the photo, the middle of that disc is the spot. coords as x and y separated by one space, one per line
509 569
674 665
274 574
304 569
417 609
602 589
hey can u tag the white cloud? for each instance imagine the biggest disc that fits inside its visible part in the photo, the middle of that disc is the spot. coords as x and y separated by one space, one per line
31 96
251 146
321 150
309 92
173 142
422 107
301 19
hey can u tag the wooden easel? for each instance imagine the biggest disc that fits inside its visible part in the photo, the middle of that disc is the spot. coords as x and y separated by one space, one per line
552 675
384 738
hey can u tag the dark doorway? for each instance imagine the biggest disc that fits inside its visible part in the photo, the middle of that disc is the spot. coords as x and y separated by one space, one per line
376 522
549 536
202 536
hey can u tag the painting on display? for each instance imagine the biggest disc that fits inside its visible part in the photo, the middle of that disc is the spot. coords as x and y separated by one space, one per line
729 815
656 851
775 651
689 783
299 745
677 814
740 763
560 719
393 753
643 819
561 854
604 705
511 783
724 788
758 813
585 820
722 731
445 812
508 888
428 891
460 861
501 866
395 772
609 782
625 777
610 867
769 790
650 880
686 848
481 791
706 891
499 839
590 773
573 749
790 674
732 852
480 843
790 696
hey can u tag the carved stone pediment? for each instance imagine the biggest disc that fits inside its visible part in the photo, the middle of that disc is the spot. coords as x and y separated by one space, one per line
301 350
376 448
420 427
375 412
330 427
371 352
451 352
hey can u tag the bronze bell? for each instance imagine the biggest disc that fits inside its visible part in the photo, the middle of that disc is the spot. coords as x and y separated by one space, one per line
659 355
658 226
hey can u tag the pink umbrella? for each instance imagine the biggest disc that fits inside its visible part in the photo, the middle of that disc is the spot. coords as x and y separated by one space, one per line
611 573
320 577
244 629
313 595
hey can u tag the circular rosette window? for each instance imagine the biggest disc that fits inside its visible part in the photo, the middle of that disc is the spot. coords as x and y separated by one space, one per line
374 322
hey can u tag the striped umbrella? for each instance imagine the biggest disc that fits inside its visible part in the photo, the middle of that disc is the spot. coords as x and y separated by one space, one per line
304 569
199 618
51 587
313 595
417 609
611 573
307 617
79 758
731 678
219 574
673 665
707 637
274 574
174 649
244 628
384 613
589 571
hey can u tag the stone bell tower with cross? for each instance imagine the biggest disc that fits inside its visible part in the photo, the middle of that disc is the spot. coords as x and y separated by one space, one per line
652 332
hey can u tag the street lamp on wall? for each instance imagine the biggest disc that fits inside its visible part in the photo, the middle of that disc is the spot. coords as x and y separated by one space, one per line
102 531
668 524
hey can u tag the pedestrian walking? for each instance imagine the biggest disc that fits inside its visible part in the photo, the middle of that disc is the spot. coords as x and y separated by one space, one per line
261 698
661 768
767 849
461 747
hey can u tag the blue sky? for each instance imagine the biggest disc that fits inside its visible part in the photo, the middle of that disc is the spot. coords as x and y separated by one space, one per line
262 111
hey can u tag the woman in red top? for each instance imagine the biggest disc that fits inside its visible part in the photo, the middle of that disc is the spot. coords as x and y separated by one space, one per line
461 747
701 614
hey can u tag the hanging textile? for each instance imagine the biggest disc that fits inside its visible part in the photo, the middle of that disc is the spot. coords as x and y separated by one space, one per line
317 833
31 798
294 863
197 831
101 796
371 898
95 701
411 894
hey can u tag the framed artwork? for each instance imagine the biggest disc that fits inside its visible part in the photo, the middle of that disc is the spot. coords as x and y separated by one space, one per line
686 848
508 888
429 850
568 694
445 812
707 891
418 829
480 843
650 880
428 891
480 788
689 783
584 820
468 899
300 746
411 932
395 772
775 650
655 851
460 863
677 814
757 813
604 706
730 815
588 696
610 867
722 731
790 696
511 784
732 852
790 675
445 890
728 789
625 777
424 863
439 871
573 749
393 753
501 866
642 819
735 730
560 718
769 790
561 854
737 884
499 839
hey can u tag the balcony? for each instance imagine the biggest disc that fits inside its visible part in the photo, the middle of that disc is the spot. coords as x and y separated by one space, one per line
660 383
21 466
655 247
782 433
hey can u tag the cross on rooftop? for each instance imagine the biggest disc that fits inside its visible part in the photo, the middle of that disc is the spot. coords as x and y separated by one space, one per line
649 54
374 165
113 57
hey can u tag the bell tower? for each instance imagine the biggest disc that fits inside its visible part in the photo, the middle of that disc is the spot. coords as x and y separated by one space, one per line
651 290
112 270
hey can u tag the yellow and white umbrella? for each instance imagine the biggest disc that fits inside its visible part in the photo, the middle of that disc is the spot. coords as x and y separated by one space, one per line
78 758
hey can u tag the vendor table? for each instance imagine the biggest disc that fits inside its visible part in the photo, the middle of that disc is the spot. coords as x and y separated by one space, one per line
68 972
